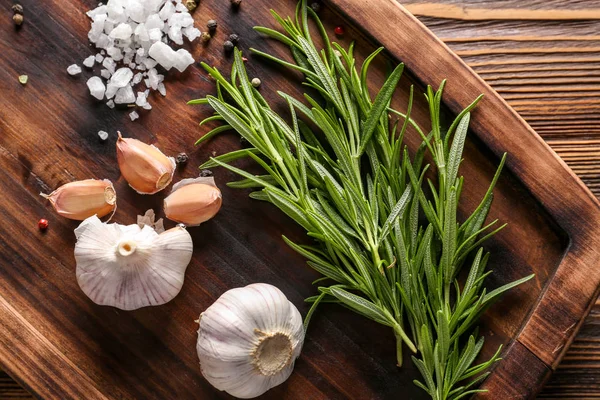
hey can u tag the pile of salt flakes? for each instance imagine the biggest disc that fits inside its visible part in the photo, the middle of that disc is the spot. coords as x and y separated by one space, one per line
133 37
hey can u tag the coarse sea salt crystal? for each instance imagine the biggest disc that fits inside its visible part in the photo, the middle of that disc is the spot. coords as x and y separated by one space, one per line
89 61
122 31
181 19
184 60
96 11
181 7
163 54
96 87
154 34
99 58
109 64
104 42
121 77
154 21
114 53
141 99
149 63
137 78
154 78
110 104
103 135
105 74
115 10
135 10
166 11
191 33
134 115
111 90
162 89
74 69
152 6
175 34
125 95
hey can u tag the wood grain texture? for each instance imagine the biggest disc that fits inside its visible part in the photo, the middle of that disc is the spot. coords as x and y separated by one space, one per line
68 119
556 91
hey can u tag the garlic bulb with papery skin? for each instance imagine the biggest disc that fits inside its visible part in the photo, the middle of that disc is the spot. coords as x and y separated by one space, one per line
144 167
82 199
193 201
129 267
249 340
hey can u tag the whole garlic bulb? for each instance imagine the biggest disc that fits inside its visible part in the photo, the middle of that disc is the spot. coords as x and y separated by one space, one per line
129 267
249 340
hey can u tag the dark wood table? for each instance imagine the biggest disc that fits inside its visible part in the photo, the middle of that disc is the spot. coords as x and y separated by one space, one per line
543 57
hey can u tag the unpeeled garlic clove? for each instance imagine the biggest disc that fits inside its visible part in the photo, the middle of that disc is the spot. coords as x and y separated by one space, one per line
193 201
131 266
82 199
144 167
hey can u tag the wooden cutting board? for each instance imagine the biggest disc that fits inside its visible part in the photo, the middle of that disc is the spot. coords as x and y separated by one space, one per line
58 344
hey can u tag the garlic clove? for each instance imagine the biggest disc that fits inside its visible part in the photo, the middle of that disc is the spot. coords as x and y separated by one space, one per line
144 167
249 339
130 267
82 199
193 201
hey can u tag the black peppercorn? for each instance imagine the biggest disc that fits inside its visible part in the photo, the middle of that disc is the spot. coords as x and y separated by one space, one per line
205 173
182 158
17 8
316 7
211 25
228 46
236 3
234 38
244 142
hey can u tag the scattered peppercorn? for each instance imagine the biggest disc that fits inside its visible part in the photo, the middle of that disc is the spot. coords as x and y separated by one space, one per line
23 79
234 38
43 224
236 3
256 82
244 59
211 25
228 46
316 7
191 5
339 30
205 37
182 158
18 19
17 8
206 172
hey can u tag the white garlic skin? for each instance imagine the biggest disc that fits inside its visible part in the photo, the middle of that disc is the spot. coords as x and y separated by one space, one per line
130 267
249 340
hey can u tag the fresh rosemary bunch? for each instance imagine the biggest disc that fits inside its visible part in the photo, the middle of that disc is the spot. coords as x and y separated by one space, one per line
352 185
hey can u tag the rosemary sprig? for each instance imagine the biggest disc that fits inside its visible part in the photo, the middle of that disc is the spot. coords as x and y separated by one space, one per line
364 216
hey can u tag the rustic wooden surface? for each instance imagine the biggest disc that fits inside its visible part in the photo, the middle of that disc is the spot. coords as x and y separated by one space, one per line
545 69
